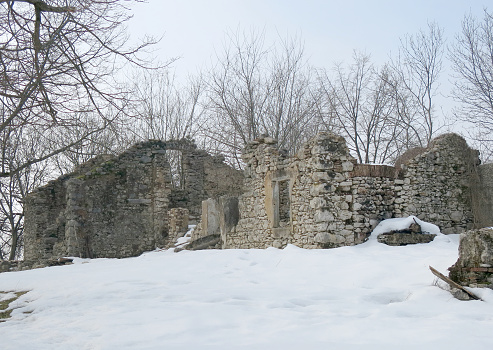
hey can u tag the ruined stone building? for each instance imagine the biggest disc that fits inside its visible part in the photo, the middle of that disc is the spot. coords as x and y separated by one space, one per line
318 198
122 206
322 198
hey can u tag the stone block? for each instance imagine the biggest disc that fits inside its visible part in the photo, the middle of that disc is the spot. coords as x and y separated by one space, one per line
457 216
230 214
357 206
345 214
344 206
317 203
339 177
319 189
401 239
347 166
323 216
320 176
337 240
323 238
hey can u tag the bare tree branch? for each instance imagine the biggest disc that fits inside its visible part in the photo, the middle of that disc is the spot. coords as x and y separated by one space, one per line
472 61
59 60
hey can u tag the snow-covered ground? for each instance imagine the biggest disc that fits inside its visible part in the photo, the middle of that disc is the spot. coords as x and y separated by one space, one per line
369 296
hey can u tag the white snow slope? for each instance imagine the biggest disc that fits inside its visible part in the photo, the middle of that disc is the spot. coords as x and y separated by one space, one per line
369 296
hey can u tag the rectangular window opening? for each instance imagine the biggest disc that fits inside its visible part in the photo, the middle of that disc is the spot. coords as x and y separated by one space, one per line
282 203
175 160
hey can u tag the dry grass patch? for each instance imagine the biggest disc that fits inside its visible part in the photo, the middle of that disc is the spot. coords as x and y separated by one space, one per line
5 312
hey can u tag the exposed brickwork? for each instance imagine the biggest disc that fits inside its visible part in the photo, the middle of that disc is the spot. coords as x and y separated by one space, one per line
177 223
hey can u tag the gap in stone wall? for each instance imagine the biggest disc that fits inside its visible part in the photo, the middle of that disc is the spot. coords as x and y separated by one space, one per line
284 203
175 159
281 203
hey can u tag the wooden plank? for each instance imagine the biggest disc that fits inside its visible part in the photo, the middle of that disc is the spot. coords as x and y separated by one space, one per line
454 284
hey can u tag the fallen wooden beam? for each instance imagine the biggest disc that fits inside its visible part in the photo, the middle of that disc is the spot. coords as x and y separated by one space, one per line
454 284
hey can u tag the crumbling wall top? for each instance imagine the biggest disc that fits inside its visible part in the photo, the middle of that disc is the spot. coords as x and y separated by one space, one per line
262 144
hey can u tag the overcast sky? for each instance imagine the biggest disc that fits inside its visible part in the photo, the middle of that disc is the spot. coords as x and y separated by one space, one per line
330 29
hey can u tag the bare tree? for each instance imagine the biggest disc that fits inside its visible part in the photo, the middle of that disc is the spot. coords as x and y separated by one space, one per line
14 189
167 110
418 67
291 109
345 98
256 90
472 61
59 89
111 140
360 106
410 132
59 60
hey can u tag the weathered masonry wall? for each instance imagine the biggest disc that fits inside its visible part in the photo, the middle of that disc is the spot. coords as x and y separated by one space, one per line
332 200
483 196
203 176
109 209
319 198
322 198
118 206
438 184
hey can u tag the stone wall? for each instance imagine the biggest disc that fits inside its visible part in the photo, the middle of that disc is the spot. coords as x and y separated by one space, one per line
219 217
203 176
318 198
331 200
322 198
118 206
178 219
373 189
483 196
115 208
44 223
437 184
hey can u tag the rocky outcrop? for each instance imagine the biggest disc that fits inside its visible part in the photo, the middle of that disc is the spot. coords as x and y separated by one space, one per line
401 239
411 235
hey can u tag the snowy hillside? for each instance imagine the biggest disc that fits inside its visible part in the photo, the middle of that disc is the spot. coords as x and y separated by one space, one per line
370 296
